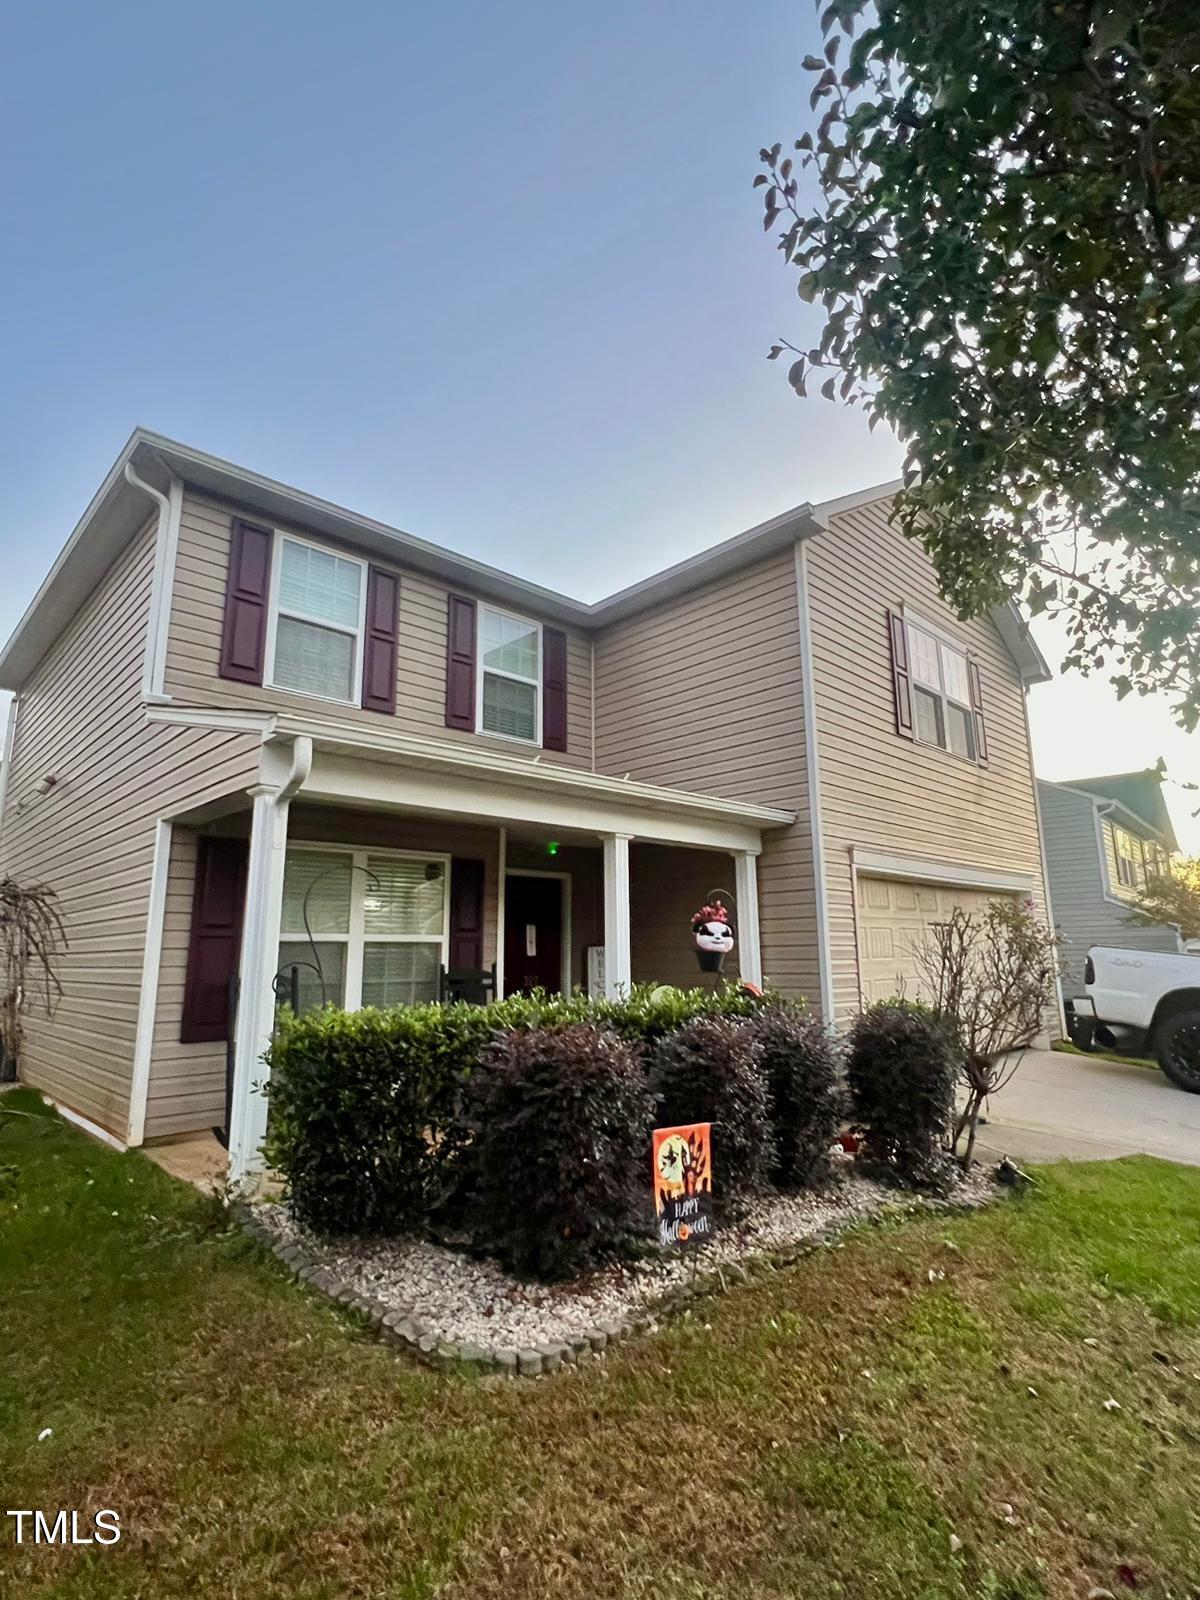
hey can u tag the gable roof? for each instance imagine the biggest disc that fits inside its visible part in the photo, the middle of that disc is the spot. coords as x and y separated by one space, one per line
118 509
1138 794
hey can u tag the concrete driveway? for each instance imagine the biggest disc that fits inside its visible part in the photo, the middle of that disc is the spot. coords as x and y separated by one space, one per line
1080 1108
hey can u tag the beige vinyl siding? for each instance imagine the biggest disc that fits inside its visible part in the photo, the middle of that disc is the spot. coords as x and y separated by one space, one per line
194 647
704 693
1085 912
878 790
90 836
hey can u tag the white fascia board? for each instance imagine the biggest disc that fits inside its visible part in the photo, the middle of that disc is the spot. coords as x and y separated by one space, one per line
825 509
347 780
539 777
951 874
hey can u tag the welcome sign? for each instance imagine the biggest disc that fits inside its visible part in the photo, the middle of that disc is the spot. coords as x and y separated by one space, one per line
681 1165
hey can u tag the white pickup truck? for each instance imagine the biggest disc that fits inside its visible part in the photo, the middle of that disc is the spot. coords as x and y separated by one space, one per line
1141 1000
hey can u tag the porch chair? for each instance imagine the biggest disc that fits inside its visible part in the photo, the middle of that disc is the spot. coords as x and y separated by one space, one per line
475 985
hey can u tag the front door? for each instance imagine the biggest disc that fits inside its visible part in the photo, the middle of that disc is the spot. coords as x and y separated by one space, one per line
533 934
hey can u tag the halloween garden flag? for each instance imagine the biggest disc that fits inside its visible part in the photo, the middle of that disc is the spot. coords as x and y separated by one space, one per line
681 1161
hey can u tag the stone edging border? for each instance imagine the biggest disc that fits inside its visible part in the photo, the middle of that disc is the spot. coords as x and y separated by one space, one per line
399 1326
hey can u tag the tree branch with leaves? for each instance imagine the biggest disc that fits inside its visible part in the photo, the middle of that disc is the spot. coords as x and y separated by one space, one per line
1171 899
1004 236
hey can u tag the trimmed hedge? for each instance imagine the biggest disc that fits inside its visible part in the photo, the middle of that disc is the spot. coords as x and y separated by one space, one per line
558 1119
710 1070
367 1107
806 1099
902 1067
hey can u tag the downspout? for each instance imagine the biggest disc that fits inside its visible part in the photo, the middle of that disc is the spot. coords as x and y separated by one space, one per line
166 539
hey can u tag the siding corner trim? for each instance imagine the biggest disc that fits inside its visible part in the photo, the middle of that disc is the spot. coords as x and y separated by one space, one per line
812 761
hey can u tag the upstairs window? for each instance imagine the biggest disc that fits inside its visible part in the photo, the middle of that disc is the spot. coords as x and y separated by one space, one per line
510 676
941 692
1131 859
317 621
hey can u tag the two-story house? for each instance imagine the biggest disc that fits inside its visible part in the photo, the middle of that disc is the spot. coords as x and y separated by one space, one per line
258 736
1104 838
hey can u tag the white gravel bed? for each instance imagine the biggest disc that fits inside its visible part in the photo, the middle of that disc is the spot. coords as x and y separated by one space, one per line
463 1299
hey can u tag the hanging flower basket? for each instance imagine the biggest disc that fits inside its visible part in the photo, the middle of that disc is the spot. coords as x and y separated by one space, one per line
712 935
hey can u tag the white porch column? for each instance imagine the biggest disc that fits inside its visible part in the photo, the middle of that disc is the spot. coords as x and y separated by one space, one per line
745 866
617 958
260 958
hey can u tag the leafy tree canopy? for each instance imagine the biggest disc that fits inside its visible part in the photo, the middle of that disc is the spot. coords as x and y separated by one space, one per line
1171 898
1006 245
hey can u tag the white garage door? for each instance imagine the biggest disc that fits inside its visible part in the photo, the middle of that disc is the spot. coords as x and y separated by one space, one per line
893 924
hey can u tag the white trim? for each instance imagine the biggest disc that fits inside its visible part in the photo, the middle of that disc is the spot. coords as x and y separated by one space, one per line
564 977
10 739
87 1125
281 537
143 1048
260 722
745 867
260 955
883 864
501 874
812 763
618 971
166 552
535 683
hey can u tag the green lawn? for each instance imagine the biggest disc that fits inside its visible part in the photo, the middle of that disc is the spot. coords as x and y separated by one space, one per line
820 1431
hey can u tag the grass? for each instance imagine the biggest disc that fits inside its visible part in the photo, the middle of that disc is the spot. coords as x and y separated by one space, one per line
826 1430
1070 1049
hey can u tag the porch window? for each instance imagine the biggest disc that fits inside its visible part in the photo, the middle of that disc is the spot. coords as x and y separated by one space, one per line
510 668
379 920
317 621
941 687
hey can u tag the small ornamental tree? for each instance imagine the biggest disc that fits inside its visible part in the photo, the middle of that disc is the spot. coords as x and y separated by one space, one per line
990 979
1172 898
32 939
710 1070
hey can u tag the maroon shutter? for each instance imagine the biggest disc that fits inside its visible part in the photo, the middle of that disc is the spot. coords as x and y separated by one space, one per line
554 689
460 663
244 636
901 684
977 708
466 914
380 641
215 940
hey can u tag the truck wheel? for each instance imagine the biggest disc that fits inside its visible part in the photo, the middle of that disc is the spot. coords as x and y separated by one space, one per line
1177 1046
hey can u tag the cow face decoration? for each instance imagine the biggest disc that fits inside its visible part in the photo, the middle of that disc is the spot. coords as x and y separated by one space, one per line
712 936
715 936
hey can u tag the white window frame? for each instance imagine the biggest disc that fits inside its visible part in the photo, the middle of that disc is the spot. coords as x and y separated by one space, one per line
355 938
273 614
513 677
1137 875
912 620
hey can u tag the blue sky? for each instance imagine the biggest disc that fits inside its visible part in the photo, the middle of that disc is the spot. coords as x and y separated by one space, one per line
492 274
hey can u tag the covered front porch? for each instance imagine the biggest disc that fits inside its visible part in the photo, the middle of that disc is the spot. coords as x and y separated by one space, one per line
398 876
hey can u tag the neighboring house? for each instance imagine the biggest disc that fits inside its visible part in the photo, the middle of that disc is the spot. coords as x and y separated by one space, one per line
267 717
1104 837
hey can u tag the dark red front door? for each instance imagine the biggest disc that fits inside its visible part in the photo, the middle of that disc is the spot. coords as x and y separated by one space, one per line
533 934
